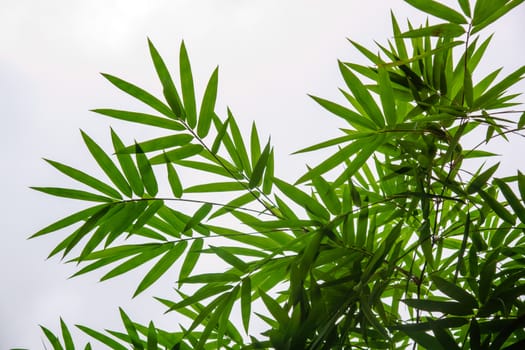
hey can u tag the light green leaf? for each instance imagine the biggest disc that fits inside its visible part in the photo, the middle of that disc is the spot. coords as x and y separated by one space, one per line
188 91
211 278
208 105
131 330
304 200
218 187
204 292
161 266
275 309
240 148
387 97
327 195
498 208
478 182
221 132
236 203
161 143
353 118
198 216
512 199
107 165
151 210
230 259
465 7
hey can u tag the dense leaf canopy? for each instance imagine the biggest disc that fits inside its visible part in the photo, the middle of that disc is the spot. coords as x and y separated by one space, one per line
390 242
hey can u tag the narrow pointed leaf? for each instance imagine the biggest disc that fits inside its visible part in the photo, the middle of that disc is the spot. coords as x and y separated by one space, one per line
440 30
198 216
208 105
128 166
177 154
188 91
174 180
439 10
304 200
191 259
131 330
146 172
259 167
457 293
246 302
161 143
53 339
73 194
387 97
68 221
104 339
141 118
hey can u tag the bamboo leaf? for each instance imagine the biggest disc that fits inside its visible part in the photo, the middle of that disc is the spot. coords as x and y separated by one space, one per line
362 96
198 216
439 10
259 167
169 90
218 187
66 335
204 292
455 292
53 339
353 118
146 172
327 195
131 330
208 105
478 182
304 200
448 30
141 118
174 180
188 91
104 339
386 93
152 342
177 154
191 259
69 220
240 148
230 259
140 94
128 166
246 302
498 208
161 143
221 132
73 194
512 199
211 278
161 266
107 165
446 307
275 309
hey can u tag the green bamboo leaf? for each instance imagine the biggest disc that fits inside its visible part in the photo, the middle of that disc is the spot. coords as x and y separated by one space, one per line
161 143
425 340
490 11
486 276
441 30
107 165
455 292
439 10
161 266
498 89
131 330
246 302
446 307
362 96
188 91
512 199
255 145
465 7
236 203
212 278
230 259
53 339
336 159
269 174
372 318
498 208
141 118
258 169
146 171
85 179
468 88
478 182
169 90
198 216
66 335
140 94
146 255
177 154
174 180
224 316
191 259
69 220
240 148
152 340
521 185
353 118
387 97
202 293
218 187
73 194
327 195
104 339
151 210
128 166
221 132
304 200
208 105
444 338
275 309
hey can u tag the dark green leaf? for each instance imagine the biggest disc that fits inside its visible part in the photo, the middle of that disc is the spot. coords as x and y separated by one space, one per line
161 143
441 30
446 307
198 216
73 194
455 292
177 154
353 118
146 172
66 335
131 330
69 220
53 339
512 199
246 302
191 258
128 166
387 97
230 258
259 167
218 187
174 180
498 208
304 200
152 337
104 339
478 182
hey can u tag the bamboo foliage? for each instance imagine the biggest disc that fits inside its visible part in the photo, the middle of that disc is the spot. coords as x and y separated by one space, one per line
391 242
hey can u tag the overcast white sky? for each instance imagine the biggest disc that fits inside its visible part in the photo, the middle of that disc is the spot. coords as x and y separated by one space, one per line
271 53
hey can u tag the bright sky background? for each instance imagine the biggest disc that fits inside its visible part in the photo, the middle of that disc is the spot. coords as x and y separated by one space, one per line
271 54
